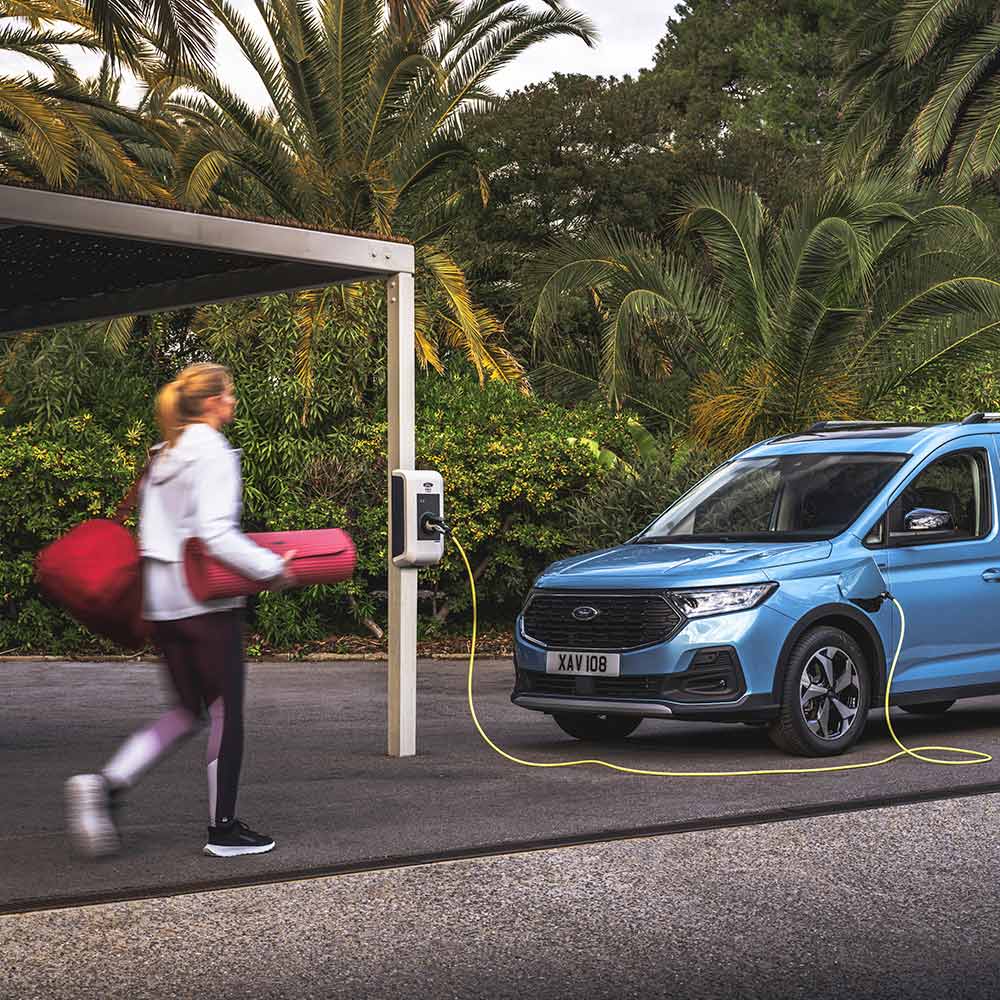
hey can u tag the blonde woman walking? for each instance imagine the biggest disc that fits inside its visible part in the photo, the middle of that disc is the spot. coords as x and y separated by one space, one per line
193 488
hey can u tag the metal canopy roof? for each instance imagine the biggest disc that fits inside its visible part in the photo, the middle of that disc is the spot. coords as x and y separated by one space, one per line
67 258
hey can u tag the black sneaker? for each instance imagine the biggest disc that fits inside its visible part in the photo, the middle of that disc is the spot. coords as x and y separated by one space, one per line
236 838
89 806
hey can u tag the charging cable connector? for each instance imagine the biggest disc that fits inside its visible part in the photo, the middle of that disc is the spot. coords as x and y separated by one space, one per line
431 522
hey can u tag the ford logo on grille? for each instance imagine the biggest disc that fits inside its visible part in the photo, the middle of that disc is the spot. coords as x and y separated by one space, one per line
585 613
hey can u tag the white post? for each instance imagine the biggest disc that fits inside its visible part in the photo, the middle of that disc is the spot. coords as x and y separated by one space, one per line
402 582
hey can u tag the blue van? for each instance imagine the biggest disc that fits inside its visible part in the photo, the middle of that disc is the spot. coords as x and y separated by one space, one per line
729 606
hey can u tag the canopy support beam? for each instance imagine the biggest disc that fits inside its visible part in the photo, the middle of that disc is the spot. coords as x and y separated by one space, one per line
402 582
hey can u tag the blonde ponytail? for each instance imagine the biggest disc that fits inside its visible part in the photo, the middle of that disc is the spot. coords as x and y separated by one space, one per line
167 418
181 402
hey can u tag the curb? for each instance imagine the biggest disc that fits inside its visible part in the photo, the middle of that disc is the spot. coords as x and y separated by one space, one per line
275 658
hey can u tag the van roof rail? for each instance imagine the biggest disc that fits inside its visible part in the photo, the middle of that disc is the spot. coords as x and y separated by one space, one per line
851 425
980 418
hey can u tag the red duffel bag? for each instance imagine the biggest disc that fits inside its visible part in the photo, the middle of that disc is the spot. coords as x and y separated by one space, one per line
325 555
94 571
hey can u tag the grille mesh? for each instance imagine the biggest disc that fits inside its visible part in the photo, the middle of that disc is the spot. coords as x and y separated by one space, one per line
624 621
590 687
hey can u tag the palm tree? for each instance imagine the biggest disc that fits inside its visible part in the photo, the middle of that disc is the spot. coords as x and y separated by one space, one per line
184 29
921 89
826 312
58 129
362 131
30 122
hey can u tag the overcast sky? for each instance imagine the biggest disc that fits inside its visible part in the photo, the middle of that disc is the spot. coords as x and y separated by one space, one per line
628 29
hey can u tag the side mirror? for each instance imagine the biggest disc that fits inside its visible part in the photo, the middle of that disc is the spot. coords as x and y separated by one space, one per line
927 519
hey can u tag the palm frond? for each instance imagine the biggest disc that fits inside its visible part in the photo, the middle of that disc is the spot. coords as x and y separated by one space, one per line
183 29
731 223
259 53
927 353
42 130
934 125
114 334
918 26
423 329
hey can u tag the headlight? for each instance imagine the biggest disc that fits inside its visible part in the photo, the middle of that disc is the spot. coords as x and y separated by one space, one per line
719 600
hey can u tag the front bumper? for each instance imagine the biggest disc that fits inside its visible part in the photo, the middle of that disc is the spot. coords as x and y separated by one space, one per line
750 708
620 706
714 669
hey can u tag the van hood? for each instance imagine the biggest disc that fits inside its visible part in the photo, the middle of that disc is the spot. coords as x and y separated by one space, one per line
681 565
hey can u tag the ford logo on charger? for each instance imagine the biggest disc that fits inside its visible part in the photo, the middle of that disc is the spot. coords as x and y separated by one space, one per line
585 613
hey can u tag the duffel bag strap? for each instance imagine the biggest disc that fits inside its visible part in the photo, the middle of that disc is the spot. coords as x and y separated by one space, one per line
131 498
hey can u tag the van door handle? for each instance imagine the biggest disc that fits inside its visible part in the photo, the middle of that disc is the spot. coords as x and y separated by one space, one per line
991 575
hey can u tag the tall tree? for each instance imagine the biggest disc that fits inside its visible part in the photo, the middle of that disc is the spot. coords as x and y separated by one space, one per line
826 311
184 30
577 152
561 157
763 65
363 132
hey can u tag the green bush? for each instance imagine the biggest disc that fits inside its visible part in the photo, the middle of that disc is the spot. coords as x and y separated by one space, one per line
954 394
513 467
51 478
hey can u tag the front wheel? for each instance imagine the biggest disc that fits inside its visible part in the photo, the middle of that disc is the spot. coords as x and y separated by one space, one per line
596 728
826 695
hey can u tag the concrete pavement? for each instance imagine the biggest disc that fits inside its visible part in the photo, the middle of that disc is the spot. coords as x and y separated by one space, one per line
891 903
316 775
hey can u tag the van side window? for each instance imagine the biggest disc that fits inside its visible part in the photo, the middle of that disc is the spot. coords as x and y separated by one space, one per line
958 484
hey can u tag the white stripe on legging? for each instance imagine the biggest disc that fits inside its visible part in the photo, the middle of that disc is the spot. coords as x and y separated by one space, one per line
217 715
144 748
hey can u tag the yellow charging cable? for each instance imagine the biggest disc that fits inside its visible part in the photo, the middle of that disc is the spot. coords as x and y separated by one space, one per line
978 756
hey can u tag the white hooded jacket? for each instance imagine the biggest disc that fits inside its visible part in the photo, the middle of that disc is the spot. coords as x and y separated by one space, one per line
194 489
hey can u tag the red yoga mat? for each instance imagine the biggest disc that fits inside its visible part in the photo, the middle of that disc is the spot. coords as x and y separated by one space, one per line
324 556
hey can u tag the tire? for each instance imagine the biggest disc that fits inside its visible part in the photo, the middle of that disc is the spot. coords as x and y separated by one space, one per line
928 707
597 728
822 716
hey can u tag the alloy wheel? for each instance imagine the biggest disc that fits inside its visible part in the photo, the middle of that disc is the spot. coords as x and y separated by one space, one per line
829 693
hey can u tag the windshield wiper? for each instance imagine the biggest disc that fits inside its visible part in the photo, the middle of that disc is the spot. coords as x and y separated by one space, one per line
688 539
767 537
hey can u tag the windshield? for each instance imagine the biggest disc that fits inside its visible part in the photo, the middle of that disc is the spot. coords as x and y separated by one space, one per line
780 498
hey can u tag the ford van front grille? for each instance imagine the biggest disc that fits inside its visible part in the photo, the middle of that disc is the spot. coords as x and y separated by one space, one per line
588 620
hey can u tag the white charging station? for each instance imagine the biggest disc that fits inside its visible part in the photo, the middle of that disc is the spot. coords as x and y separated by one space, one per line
416 493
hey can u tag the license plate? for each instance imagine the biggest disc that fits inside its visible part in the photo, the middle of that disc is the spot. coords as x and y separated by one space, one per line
588 664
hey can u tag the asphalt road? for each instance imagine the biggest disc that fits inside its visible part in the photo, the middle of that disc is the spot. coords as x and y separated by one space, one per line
893 903
316 776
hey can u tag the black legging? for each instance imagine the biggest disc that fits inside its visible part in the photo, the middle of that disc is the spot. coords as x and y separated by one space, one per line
204 657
